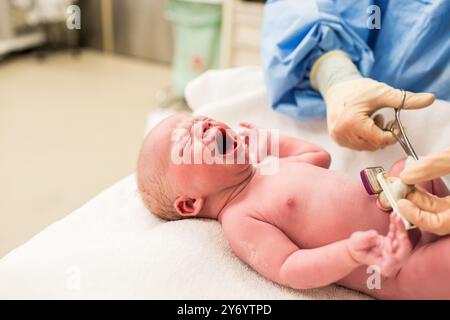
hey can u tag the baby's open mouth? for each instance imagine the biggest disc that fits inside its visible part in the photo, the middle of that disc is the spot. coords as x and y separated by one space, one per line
225 142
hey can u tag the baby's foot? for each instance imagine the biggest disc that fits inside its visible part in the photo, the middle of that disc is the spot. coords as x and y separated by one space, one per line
396 247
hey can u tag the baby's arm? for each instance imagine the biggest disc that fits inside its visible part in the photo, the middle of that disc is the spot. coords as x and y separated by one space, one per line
271 253
303 151
288 147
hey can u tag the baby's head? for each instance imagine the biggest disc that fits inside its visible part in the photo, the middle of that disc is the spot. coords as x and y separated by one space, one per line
184 166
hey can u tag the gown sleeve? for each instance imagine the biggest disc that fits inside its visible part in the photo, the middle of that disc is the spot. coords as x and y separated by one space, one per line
295 34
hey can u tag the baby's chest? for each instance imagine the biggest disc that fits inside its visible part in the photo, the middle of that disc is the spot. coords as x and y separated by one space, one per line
286 192
281 203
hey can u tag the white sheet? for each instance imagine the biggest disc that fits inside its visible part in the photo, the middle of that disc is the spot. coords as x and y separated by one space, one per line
112 248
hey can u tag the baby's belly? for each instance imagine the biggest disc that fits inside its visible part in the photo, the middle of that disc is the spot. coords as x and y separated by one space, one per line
317 227
322 206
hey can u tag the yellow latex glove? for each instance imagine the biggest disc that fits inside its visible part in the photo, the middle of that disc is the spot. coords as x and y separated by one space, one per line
427 168
425 210
352 99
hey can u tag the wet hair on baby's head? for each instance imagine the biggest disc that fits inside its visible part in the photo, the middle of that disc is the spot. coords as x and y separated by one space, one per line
154 188
154 194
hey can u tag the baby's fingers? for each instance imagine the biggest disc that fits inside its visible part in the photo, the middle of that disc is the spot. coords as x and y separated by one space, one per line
243 132
392 227
403 243
387 246
395 246
399 226
246 125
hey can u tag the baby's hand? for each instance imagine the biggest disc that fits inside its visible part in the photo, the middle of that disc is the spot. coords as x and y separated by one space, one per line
246 130
389 252
365 247
256 142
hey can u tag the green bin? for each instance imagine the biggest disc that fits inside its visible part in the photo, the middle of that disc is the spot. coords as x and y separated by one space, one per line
196 29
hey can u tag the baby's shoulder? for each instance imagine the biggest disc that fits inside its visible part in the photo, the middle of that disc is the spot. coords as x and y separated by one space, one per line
235 213
234 219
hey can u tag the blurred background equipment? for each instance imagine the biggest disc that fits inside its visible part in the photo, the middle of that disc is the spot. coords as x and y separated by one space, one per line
16 32
241 33
26 24
196 28
192 35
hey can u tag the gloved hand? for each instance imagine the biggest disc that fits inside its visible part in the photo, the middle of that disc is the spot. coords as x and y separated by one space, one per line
425 210
352 99
427 168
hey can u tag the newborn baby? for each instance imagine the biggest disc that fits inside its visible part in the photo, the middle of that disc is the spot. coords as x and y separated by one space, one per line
305 226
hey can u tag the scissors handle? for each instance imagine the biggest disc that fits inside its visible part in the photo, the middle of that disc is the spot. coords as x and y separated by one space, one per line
397 129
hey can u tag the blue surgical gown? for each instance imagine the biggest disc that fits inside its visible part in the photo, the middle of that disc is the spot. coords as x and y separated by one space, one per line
410 50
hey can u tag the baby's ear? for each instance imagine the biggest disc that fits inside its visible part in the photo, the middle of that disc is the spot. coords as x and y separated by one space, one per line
188 207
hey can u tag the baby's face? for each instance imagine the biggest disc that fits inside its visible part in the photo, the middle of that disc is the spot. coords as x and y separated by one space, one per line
203 155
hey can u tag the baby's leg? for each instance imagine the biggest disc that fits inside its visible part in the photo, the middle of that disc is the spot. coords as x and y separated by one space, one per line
425 275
